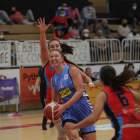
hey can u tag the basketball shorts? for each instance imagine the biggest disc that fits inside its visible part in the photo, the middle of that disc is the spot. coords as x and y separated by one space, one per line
78 112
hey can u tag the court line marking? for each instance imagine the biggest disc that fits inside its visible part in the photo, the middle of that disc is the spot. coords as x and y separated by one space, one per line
31 125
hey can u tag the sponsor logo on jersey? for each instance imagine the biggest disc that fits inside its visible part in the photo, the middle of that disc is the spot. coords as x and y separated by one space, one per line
65 76
64 93
51 68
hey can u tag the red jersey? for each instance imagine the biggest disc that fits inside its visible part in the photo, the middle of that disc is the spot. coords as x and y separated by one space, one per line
49 72
58 20
120 107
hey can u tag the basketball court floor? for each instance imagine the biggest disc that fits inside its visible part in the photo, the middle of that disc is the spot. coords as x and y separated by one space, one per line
28 127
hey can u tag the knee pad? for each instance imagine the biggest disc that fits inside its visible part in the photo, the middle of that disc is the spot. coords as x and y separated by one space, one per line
61 132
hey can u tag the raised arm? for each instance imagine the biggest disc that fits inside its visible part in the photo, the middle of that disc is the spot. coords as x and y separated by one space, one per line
99 105
44 50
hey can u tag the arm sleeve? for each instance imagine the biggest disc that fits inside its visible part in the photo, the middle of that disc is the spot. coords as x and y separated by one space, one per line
77 11
67 12
120 32
94 13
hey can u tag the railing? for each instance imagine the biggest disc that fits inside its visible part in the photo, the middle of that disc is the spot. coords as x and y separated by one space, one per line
131 50
92 51
104 50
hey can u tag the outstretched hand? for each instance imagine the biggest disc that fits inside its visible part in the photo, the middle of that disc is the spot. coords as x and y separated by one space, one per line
93 86
41 25
138 88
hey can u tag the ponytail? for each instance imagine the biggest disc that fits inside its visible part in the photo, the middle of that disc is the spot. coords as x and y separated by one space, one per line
72 63
116 83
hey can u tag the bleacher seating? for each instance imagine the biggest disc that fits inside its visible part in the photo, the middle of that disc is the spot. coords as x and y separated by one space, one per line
31 32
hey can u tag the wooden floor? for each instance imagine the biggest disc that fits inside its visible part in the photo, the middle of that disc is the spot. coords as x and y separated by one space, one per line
28 127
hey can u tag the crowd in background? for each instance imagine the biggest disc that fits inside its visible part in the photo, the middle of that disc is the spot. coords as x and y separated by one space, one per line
68 22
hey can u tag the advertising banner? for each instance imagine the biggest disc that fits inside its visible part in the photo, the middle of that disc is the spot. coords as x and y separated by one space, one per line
27 82
8 88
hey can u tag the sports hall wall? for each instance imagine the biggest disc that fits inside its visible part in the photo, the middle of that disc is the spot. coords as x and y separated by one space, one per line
26 79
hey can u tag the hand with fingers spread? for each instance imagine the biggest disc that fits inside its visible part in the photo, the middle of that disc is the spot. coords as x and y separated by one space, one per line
60 110
70 126
43 28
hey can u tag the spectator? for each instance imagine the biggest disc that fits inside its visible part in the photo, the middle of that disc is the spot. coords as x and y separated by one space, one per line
88 73
60 22
123 30
74 29
66 12
89 15
4 18
74 13
133 45
64 7
2 36
134 15
18 18
85 34
105 28
101 46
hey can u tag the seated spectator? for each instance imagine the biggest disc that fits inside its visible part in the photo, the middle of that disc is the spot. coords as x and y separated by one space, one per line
74 29
89 15
4 18
2 36
123 30
85 34
18 18
88 73
105 28
134 15
74 13
60 22
101 46
133 45
66 12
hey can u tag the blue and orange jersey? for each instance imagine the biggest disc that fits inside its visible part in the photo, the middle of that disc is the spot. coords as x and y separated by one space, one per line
120 107
49 72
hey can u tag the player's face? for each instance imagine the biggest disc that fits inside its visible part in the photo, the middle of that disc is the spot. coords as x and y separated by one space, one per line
55 59
54 45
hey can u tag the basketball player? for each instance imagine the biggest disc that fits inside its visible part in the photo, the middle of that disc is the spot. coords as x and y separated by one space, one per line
43 94
67 82
118 102
49 71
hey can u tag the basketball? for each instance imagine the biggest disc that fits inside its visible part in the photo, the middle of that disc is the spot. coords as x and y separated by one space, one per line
49 109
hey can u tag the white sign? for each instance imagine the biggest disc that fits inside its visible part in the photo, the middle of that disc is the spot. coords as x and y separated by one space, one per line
5 54
10 74
28 53
81 53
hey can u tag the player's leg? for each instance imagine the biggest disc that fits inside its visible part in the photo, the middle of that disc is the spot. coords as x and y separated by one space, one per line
90 136
61 133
